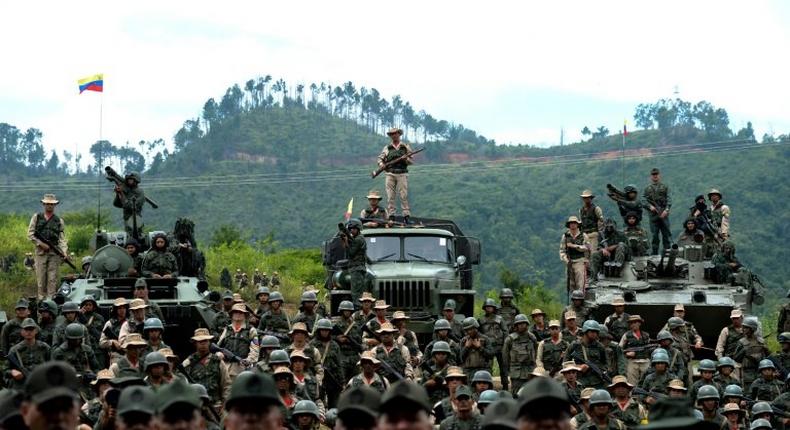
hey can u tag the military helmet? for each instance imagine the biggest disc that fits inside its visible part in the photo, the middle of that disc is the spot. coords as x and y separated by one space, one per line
308 296
441 324
660 358
630 188
784 337
441 346
306 407
725 361
487 397
470 322
346 305
577 295
490 302
330 418
69 307
483 376
155 358
276 296
279 356
262 290
600 397
270 341
658 351
675 322
603 333
48 306
88 259
751 323
733 390
761 408
766 364
323 324
506 293
760 424
707 364
354 223
520 318
153 324
449 305
132 175
201 391
88 298
707 392
591 325
74 331
664 335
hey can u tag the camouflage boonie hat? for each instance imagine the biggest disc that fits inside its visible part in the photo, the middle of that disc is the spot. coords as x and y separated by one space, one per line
138 304
367 297
103 375
455 372
239 307
119 302
237 298
168 353
399 315
620 380
202 334
298 353
587 193
570 315
368 356
554 323
394 130
680 307
386 328
677 384
586 393
618 301
380 304
536 312
300 326
539 372
373 194
571 219
49 199
570 366
133 339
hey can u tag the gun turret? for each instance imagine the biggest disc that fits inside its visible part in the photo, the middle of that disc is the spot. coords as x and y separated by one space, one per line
669 269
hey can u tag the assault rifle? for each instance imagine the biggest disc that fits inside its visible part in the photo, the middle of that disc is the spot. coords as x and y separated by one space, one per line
659 211
642 392
356 346
17 364
54 248
228 354
649 347
388 164
115 178
593 367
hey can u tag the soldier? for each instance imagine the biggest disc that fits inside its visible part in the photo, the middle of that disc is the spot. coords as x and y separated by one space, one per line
677 364
587 350
275 322
481 381
539 328
73 351
207 369
306 386
783 324
781 359
332 360
178 406
486 398
51 398
720 213
244 281
46 230
152 309
551 351
305 415
456 327
656 199
636 235
256 278
630 204
222 313
369 330
28 354
435 371
47 312
600 409
240 338
307 313
268 345
156 369
369 375
496 330
591 217
465 416
130 364
725 375
635 345
237 277
405 405
734 417
613 247
397 174
708 402
676 389
571 330
133 249
365 312
477 350
374 215
570 382
519 353
12 330
615 358
506 309
93 322
441 333
691 235
707 368
348 338
750 351
407 337
111 331
617 323
152 333
766 387
454 378
300 341
275 282
733 394
395 355
574 252
262 296
763 411
158 261
131 198
136 408
578 305
136 324
627 410
358 408
357 258
69 312
582 417
658 380
730 335
92 408
544 405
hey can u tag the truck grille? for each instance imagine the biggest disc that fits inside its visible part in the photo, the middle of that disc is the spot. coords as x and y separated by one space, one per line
405 294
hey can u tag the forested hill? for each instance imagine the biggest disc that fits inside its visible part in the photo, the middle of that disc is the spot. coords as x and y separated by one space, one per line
284 165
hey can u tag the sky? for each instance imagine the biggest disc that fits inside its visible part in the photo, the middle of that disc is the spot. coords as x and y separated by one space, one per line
518 72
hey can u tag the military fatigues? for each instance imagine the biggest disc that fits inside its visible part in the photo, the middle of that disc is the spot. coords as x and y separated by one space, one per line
94 323
728 341
494 328
277 325
452 358
357 266
783 325
159 262
130 326
47 263
724 381
474 358
379 213
574 391
550 355
11 334
332 364
508 314
59 335
701 383
377 383
132 204
657 382
243 342
316 368
518 354
637 365
657 195
113 326
81 358
617 325
308 320
349 350
540 333
591 223
613 424
438 390
631 413
593 352
29 356
615 359
749 352
46 331
637 240
475 422
782 362
210 372
397 177
124 367
574 258
765 390
397 356
582 314
618 256
720 215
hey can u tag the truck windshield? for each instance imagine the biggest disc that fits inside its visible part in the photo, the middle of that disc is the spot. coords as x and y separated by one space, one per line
383 248
427 248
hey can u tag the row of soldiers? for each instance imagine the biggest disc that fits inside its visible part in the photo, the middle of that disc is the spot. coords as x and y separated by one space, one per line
259 279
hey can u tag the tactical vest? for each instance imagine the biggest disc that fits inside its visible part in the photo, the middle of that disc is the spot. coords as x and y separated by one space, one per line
394 359
573 253
49 230
237 343
410 342
308 320
377 384
553 355
508 314
716 214
492 328
393 154
618 325
731 342
589 219
540 334
631 341
206 375
522 355
125 367
374 213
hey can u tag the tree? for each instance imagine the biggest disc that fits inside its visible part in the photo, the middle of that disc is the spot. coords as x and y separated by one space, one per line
747 133
586 131
227 235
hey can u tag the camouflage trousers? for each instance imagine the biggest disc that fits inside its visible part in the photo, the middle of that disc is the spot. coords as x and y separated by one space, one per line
597 259
657 225
358 284
577 273
397 182
47 266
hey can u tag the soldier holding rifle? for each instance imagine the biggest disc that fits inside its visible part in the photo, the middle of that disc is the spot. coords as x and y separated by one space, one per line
395 159
131 198
47 231
658 203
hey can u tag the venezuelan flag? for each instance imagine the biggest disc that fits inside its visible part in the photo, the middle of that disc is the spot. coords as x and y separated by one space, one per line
350 209
92 83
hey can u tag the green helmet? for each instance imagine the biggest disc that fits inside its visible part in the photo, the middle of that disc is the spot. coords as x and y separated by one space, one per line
323 324
707 365
760 424
441 324
155 358
725 361
262 290
603 333
309 296
733 390
577 295
751 323
346 305
306 407
441 346
664 335
506 293
487 397
490 302
658 351
470 322
660 358
74 331
707 392
761 408
330 418
70 307
784 337
269 341
591 325
675 322
153 324
630 188
354 223
133 175
89 298
450 305
483 376
600 397
279 356
276 297
766 364
48 306
520 318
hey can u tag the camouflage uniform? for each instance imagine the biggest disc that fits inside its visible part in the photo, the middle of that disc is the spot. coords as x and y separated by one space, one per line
723 381
379 383
440 390
749 352
761 389
59 335
582 313
154 311
593 352
591 222
657 382
11 334
397 356
617 325
131 203
47 263
452 358
540 334
350 350
221 320
29 356
550 355
81 358
357 266
160 263
94 323
518 354
701 383
210 372
332 365
637 365
615 359
612 423
637 240
728 341
782 362
658 194
453 422
124 367
494 328
277 325
783 325
631 414
244 343
474 359
575 259
397 176
619 255
508 313
316 368
46 331
308 319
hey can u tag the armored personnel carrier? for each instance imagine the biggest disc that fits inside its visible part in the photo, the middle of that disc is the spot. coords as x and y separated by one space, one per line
415 268
651 287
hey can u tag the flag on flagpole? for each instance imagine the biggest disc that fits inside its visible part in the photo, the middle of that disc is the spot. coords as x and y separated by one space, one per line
349 210
625 128
92 83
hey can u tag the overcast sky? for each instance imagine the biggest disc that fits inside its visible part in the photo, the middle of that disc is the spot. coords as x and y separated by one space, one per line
517 72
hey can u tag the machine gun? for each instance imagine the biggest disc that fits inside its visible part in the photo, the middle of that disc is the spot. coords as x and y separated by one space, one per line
117 179
386 165
616 194
54 248
669 269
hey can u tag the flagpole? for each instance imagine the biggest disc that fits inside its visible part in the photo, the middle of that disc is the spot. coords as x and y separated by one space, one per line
622 156
98 167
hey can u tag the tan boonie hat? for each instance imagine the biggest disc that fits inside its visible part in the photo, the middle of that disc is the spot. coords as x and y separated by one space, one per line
374 194
732 407
49 199
367 297
568 366
168 353
138 304
635 318
202 334
537 312
399 315
677 384
298 353
620 379
120 301
680 307
587 193
554 323
539 372
300 326
394 130
237 297
570 315
283 370
618 301
386 328
586 393
133 339
455 372
239 307
103 375
736 313
371 357
381 304
571 219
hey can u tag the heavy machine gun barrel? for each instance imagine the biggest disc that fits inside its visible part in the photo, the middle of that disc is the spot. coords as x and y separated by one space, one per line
117 179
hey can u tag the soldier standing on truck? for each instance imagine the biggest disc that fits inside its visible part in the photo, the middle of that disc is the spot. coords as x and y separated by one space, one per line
656 199
591 217
574 249
131 198
49 227
397 174
357 258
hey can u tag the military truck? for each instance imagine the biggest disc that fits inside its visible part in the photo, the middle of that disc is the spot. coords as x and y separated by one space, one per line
415 268
652 285
182 299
